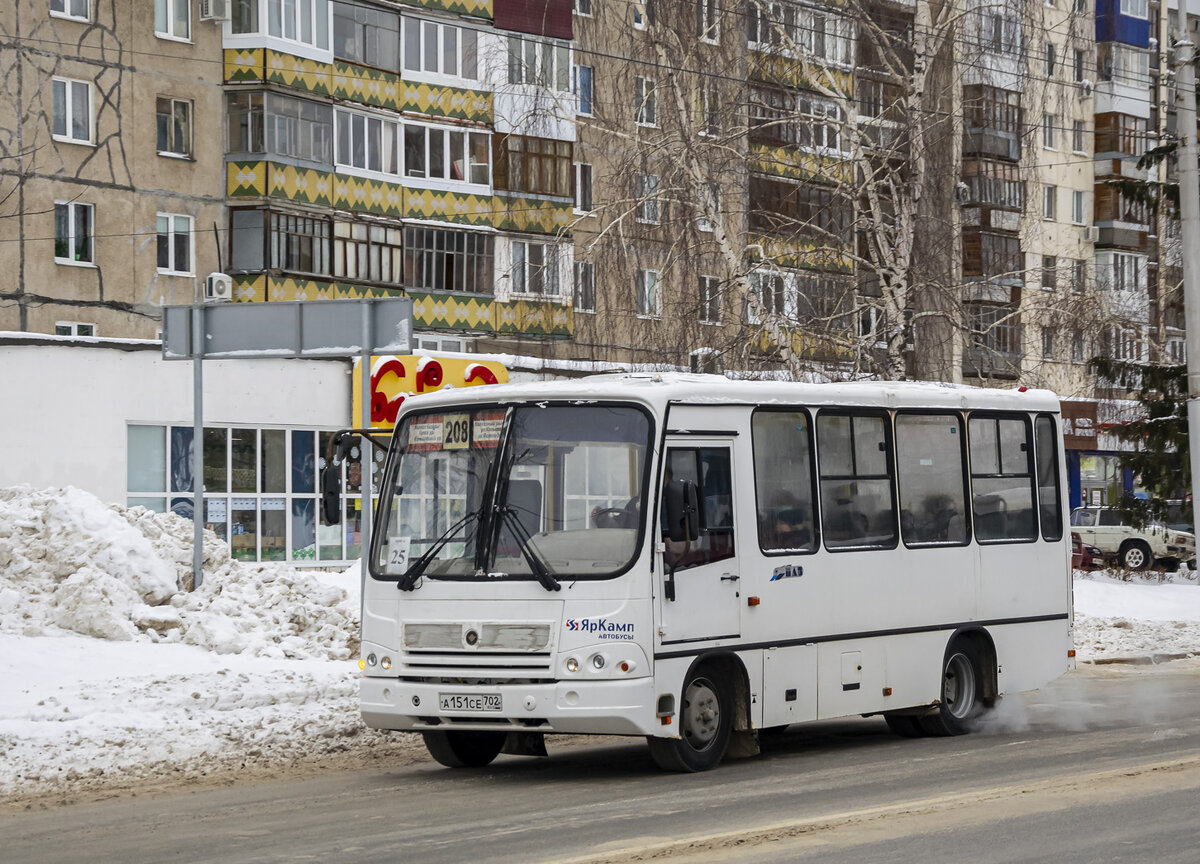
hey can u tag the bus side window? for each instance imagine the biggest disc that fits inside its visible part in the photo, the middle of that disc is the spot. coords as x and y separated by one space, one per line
929 468
783 483
857 504
1002 478
1049 497
709 469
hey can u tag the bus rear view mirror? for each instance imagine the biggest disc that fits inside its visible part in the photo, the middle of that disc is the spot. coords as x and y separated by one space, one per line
680 504
331 493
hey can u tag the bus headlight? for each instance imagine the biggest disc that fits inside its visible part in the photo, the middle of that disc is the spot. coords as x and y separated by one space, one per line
386 662
598 661
572 664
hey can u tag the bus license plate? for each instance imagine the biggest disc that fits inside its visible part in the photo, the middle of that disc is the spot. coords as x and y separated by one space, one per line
469 701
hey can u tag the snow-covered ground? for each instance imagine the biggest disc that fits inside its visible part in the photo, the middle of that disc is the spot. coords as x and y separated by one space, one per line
113 675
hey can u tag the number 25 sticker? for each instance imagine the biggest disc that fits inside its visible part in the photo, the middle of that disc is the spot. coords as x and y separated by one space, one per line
456 431
397 554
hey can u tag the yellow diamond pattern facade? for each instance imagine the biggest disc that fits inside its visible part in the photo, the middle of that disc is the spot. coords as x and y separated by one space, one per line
790 72
430 311
803 253
356 84
796 164
474 8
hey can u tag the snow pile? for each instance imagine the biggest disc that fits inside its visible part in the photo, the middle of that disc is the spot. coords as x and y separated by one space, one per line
1124 615
69 563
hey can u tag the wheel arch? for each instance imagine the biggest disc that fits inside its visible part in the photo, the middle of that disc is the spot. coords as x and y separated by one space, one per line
730 666
981 642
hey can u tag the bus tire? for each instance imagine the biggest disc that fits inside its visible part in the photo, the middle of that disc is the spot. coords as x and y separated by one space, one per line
961 692
904 725
705 724
464 749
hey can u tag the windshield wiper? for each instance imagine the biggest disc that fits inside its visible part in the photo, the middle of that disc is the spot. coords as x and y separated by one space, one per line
416 570
532 556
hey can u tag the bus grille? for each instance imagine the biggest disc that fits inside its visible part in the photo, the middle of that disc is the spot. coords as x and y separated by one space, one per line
474 638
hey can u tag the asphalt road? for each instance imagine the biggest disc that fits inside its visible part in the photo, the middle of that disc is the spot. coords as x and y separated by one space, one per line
1102 766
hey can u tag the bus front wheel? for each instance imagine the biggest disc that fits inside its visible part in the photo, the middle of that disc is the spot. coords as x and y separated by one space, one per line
705 723
962 693
464 749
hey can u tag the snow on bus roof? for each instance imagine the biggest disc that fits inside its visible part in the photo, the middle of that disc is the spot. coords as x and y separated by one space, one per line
662 387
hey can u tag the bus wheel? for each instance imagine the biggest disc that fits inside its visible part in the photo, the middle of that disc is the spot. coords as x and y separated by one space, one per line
904 725
705 723
962 693
464 749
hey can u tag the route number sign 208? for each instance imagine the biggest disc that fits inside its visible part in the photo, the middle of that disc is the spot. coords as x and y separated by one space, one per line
456 431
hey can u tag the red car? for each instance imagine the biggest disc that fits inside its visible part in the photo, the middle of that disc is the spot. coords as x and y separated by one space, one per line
1083 556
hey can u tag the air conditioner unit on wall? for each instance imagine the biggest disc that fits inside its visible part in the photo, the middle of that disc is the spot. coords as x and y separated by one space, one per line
214 10
1091 234
218 288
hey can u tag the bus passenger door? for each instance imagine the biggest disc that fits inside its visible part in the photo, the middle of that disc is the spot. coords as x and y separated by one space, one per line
701 580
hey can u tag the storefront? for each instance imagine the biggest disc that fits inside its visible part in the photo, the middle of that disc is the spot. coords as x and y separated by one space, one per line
1094 472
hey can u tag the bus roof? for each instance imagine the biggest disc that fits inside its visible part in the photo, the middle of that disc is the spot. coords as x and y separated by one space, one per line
661 388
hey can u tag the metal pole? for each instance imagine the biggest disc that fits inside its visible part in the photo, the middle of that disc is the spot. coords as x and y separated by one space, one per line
366 451
1189 213
197 440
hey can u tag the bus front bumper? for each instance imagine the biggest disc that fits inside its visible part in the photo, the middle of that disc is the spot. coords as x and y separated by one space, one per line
607 707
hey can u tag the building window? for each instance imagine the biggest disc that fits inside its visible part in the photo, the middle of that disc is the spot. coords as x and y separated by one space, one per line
784 117
708 200
173 19
1077 207
1123 64
294 128
1049 202
1077 139
649 294
298 244
437 259
1127 272
643 10
1047 343
174 244
994 183
816 32
545 64
646 193
710 300
1049 273
534 268
539 165
582 7
771 291
1050 131
706 20
305 22
1134 8
709 111
369 251
583 187
174 126
1077 346
995 329
363 34
74 328
585 286
777 205
1080 7
77 9
434 48
1051 59
72 111
439 153
73 232
368 143
1080 65
583 89
644 102
1078 276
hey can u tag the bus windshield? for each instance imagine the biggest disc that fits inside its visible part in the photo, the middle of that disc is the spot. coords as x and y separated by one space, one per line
540 491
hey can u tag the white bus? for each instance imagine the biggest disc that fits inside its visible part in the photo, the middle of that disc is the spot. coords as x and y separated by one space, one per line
688 558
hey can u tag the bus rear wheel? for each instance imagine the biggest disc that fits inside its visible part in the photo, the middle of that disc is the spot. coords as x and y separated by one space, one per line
962 693
705 723
464 749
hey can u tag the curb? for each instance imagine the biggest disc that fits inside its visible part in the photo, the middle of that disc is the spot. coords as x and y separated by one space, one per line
1140 660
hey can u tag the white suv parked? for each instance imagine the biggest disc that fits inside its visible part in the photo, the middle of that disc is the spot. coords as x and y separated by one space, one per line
1133 549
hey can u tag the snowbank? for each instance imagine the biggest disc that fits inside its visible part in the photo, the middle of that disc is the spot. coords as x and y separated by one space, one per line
71 564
